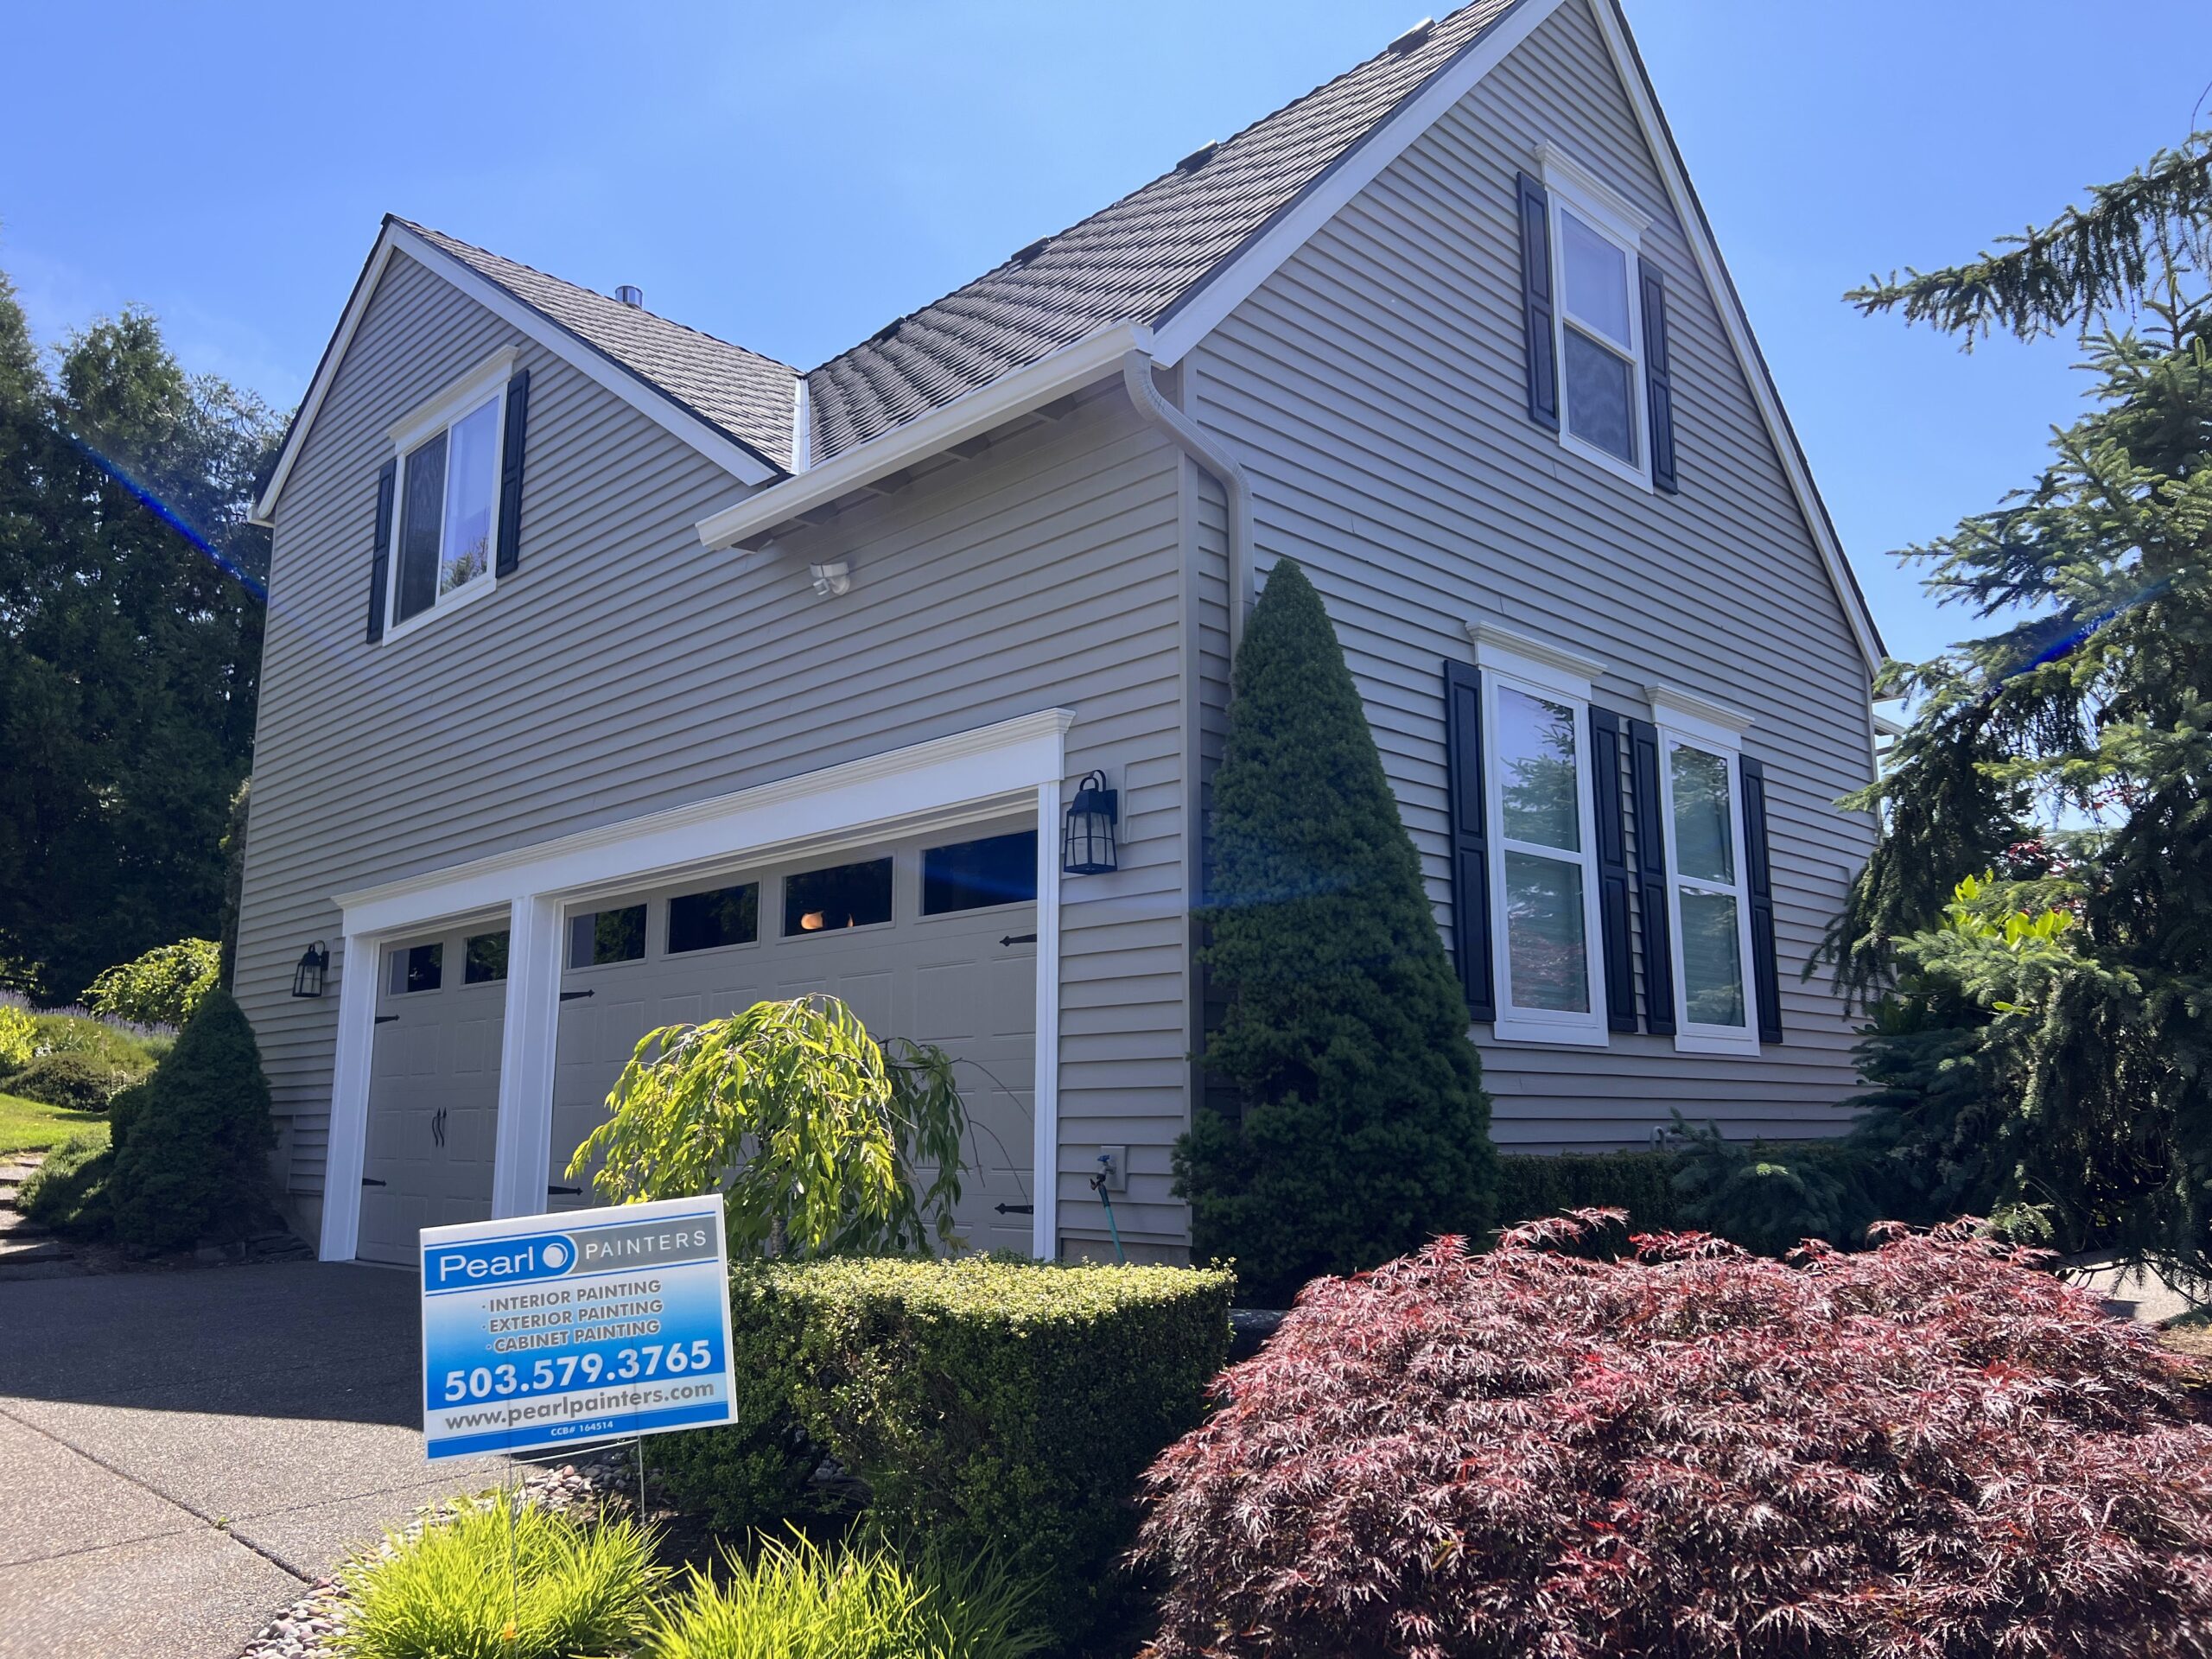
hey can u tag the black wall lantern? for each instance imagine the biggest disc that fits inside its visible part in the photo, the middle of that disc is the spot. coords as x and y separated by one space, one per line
1087 842
307 978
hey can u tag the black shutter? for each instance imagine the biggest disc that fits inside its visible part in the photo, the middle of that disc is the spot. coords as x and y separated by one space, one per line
380 560
1463 741
1658 378
1608 731
1536 303
1765 979
510 473
1655 931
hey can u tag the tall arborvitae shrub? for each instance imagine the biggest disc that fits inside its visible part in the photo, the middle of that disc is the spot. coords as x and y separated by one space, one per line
194 1162
1363 1130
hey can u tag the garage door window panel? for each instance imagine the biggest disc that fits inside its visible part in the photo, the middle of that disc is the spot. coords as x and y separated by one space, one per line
980 874
598 939
715 919
484 958
839 897
417 967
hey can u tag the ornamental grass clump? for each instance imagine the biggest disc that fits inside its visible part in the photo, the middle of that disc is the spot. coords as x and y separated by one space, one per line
576 1589
1927 1449
797 1600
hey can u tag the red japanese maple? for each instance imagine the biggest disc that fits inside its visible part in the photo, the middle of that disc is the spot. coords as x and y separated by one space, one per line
1928 1449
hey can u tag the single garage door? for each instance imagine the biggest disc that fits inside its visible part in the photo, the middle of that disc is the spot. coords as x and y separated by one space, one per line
931 937
433 1090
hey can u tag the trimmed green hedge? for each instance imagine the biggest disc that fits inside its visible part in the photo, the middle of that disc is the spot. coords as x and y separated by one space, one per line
999 1408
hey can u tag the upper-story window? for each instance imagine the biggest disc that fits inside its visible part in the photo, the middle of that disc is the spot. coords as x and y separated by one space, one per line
1596 316
444 531
1599 348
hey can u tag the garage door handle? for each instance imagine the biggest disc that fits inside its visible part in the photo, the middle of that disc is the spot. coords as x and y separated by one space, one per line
570 997
386 1019
371 1181
1018 938
564 1192
1015 1209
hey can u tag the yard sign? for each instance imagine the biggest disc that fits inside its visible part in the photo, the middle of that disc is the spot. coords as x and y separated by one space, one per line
595 1325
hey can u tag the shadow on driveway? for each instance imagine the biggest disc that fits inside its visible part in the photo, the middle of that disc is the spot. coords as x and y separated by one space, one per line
187 1449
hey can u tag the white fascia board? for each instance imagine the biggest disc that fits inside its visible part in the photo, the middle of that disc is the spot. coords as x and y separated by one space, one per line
1354 172
1078 364
730 456
1659 139
1009 757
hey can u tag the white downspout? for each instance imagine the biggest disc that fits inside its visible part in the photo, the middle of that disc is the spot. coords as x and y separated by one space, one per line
1183 433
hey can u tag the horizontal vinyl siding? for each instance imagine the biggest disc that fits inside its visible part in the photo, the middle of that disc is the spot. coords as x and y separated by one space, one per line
624 670
1373 388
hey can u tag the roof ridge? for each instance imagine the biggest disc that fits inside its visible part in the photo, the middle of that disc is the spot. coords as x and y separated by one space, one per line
1175 170
553 277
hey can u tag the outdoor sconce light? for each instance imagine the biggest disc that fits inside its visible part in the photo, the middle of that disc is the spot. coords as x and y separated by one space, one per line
307 978
1087 842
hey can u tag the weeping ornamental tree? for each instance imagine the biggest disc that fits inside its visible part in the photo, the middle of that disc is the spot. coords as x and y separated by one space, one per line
1363 1129
2035 925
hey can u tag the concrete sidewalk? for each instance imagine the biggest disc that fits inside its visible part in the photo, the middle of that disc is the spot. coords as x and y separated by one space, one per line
185 1451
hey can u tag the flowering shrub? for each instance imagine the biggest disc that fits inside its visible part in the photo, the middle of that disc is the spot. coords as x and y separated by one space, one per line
1927 1449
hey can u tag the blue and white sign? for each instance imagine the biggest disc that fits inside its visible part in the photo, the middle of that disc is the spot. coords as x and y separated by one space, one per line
594 1325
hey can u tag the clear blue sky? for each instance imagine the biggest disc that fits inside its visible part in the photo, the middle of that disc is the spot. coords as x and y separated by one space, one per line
792 176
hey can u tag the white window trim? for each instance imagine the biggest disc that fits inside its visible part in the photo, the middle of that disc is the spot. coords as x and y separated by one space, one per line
464 396
1557 675
1571 186
1684 720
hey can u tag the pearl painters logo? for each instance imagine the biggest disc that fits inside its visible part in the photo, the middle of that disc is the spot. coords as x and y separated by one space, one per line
555 1254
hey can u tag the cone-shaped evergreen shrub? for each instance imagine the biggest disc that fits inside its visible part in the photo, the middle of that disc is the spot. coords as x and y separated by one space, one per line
1365 1129
195 1162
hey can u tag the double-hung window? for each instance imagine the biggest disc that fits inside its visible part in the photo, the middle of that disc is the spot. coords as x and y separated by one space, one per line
1709 895
1595 234
1542 868
448 454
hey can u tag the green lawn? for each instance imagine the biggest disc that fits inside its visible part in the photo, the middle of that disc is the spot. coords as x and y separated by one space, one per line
33 1125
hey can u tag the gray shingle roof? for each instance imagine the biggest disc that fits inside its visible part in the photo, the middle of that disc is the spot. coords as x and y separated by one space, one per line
1132 262
1136 261
746 396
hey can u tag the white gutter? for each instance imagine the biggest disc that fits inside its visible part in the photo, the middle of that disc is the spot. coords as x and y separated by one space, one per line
1092 358
1185 434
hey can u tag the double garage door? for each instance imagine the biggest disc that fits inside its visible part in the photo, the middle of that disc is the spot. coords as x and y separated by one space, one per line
933 938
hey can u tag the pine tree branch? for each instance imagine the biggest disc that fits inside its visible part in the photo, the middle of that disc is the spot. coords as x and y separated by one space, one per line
2062 276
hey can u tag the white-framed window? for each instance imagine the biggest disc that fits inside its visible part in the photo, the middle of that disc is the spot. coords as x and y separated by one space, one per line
1545 938
446 500
1598 317
1709 895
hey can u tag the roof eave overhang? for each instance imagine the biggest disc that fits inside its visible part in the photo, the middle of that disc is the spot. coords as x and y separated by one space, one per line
738 460
1096 356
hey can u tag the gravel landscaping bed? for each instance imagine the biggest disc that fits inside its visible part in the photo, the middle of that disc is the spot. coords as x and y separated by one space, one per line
603 1484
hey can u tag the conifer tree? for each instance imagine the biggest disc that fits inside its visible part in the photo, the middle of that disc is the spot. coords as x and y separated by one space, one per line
1363 1129
2068 754
192 1160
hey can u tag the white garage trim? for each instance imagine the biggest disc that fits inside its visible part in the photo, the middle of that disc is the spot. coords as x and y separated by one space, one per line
1012 764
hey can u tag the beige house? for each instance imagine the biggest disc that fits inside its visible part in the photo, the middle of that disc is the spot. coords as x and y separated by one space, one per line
617 675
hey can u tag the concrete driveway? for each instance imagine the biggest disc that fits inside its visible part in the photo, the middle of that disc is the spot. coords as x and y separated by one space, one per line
184 1452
